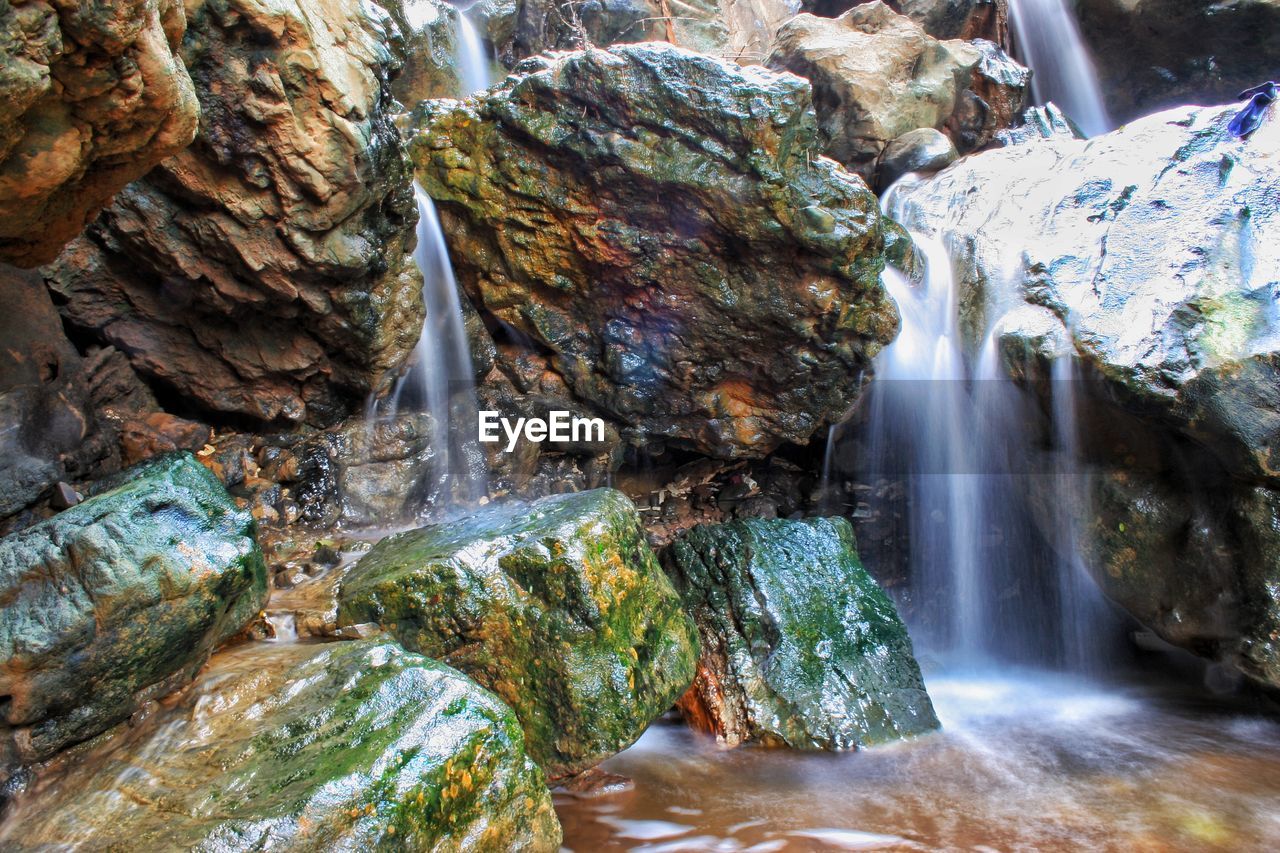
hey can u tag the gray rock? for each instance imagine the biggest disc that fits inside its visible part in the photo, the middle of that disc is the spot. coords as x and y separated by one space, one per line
923 150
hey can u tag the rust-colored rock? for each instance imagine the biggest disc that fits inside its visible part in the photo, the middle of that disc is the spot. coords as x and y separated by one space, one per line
261 274
92 96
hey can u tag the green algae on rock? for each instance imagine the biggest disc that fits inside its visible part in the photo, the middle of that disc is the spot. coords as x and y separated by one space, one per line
119 600
799 645
664 224
559 606
337 746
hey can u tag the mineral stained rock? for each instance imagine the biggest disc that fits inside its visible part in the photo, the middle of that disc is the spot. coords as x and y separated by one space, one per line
559 606
337 746
92 95
119 600
664 226
261 275
800 647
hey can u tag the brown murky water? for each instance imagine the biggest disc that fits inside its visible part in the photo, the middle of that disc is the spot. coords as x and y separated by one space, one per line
1025 762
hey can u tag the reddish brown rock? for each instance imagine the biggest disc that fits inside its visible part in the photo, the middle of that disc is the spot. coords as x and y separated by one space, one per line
92 95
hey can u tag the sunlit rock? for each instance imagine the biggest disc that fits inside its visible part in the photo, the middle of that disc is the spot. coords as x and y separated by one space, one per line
117 601
664 225
339 746
262 273
558 606
1155 247
943 19
800 647
877 75
92 95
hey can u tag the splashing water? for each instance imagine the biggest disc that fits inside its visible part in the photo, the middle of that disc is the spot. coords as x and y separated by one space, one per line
1049 42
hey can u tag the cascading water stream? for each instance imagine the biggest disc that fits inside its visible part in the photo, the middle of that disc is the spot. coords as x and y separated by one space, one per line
1049 43
947 420
441 379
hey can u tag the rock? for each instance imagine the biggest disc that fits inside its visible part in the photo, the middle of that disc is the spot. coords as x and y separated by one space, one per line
160 432
558 606
923 150
1149 252
1154 54
339 746
877 75
942 19
48 427
430 29
519 29
91 97
599 203
995 100
261 275
129 592
799 646
355 474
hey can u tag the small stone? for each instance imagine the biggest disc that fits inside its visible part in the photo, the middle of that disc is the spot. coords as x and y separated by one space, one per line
64 497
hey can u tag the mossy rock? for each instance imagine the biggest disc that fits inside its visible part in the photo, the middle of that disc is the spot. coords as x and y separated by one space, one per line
339 746
559 606
117 600
800 647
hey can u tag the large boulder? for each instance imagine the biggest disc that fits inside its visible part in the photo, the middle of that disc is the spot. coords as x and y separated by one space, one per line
800 647
1149 254
261 275
1154 54
117 601
658 221
431 40
558 606
92 95
341 746
877 75
943 19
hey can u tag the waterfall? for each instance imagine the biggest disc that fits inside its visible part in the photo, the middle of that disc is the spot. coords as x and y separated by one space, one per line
441 380
1048 40
473 61
946 419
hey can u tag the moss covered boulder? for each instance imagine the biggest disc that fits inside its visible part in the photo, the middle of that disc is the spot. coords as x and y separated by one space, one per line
659 222
800 647
559 606
118 600
341 746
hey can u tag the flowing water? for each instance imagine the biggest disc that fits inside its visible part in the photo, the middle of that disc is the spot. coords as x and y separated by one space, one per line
441 380
1025 761
1048 41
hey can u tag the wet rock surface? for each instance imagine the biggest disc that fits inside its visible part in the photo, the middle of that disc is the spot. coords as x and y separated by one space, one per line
1156 246
559 606
943 19
800 647
127 593
91 97
260 276
655 221
356 745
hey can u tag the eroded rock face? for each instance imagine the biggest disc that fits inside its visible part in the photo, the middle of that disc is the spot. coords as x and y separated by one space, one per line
877 75
339 746
129 593
559 606
261 274
91 97
663 225
1157 246
1154 54
800 647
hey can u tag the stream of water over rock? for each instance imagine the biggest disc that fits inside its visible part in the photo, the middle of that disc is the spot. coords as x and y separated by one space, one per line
1048 39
